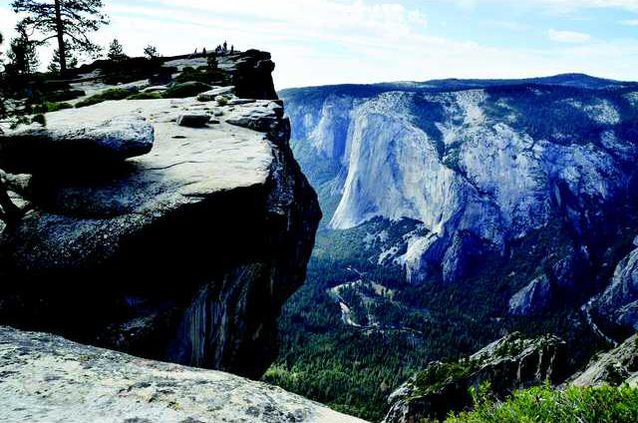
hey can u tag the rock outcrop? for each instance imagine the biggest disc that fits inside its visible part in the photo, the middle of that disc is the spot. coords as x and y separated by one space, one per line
616 308
34 149
185 254
45 378
615 367
507 364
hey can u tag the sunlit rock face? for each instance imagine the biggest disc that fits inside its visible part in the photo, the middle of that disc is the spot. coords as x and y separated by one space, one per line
184 254
47 378
617 305
483 165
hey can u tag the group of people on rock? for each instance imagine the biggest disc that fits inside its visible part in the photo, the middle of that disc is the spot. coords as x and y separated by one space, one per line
219 50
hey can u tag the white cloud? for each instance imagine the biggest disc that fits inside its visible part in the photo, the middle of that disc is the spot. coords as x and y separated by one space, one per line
568 36
630 22
317 42
579 4
556 5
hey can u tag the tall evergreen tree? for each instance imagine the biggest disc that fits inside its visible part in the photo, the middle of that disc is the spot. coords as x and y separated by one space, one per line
9 212
116 51
23 53
71 60
3 85
70 22
151 52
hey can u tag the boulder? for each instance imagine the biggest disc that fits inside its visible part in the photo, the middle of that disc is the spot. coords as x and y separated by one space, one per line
617 306
193 120
251 74
212 94
74 142
615 367
46 378
155 89
239 101
261 115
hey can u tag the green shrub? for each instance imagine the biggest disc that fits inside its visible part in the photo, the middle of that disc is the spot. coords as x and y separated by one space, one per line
204 74
39 118
222 101
54 107
146 96
547 405
192 75
63 95
110 94
187 89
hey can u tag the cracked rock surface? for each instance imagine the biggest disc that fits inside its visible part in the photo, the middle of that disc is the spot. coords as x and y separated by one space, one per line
45 378
185 254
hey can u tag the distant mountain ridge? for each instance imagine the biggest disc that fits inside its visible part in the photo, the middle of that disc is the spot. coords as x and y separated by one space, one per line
574 80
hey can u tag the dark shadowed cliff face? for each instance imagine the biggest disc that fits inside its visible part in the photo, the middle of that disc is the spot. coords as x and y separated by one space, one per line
185 254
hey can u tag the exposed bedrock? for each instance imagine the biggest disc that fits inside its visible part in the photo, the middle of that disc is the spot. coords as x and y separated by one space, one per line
510 363
46 378
185 254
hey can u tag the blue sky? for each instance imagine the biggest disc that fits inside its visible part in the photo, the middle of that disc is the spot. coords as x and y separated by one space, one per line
316 42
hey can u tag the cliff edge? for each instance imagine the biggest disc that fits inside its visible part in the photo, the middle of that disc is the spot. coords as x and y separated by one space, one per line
169 228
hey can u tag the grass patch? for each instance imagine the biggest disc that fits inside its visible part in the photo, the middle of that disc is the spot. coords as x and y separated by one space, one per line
543 404
111 94
187 89
146 96
54 107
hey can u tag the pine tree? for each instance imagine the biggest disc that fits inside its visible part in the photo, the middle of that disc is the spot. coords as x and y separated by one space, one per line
9 212
70 22
151 52
23 53
116 51
71 60
3 85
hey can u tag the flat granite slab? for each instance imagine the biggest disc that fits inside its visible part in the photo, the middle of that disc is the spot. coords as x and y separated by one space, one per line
45 379
86 210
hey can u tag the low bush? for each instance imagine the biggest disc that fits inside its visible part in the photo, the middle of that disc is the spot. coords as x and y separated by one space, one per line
54 107
604 404
186 89
146 96
110 94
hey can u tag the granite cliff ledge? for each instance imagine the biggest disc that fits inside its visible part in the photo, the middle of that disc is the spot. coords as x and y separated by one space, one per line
183 254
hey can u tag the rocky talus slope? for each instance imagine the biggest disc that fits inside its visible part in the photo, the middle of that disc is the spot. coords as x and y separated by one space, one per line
510 363
617 306
45 378
615 367
172 229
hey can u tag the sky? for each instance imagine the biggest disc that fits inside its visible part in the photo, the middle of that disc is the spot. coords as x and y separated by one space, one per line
320 42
